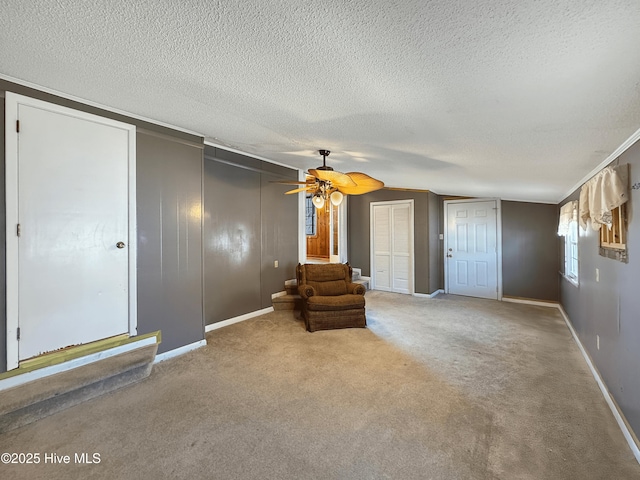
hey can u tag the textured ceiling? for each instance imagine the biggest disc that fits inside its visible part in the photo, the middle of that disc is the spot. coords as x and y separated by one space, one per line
517 99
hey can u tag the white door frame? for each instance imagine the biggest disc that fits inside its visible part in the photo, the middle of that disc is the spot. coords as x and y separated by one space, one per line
12 101
341 256
342 227
498 239
412 268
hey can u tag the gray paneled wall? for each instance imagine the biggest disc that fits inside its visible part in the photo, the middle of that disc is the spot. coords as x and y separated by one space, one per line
169 196
610 308
171 240
249 224
359 228
231 241
530 260
169 199
436 246
279 216
3 266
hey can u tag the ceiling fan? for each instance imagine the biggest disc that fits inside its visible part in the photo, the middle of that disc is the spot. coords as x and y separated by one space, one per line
327 184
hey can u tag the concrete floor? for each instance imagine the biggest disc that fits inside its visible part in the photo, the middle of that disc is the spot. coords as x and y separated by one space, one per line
443 388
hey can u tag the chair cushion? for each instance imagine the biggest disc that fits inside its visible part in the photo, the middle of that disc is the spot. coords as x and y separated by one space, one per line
325 272
340 302
330 287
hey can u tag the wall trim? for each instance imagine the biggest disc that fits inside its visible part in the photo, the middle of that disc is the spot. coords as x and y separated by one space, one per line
619 416
526 301
176 352
428 295
229 148
90 103
240 318
616 153
75 363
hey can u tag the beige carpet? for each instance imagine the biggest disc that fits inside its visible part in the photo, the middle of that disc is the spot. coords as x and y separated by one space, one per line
443 388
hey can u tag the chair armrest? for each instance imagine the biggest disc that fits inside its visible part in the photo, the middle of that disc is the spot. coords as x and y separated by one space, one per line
306 291
356 289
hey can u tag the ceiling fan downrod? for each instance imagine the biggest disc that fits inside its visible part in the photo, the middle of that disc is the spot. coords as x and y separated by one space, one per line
325 154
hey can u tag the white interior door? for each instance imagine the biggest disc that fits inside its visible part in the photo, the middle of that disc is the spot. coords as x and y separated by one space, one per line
471 249
392 246
381 251
73 248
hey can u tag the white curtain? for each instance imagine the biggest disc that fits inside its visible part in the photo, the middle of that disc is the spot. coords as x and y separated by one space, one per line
568 212
604 192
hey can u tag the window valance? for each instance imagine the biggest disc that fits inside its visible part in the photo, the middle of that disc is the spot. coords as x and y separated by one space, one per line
606 191
568 213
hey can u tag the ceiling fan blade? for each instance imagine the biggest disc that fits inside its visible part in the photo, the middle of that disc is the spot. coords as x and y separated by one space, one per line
364 184
301 189
337 179
288 182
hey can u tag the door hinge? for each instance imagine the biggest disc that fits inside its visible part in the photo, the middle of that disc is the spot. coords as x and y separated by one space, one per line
18 230
18 126
18 333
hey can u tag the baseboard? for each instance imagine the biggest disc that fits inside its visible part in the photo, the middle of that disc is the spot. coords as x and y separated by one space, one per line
526 301
179 351
278 294
241 318
619 416
427 295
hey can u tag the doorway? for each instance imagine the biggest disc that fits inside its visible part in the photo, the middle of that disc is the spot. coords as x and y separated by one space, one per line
392 259
473 253
71 241
325 232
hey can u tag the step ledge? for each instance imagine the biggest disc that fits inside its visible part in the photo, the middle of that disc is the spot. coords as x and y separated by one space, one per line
23 378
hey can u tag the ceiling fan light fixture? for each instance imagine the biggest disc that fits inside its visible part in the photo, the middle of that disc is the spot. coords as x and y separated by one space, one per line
318 201
336 198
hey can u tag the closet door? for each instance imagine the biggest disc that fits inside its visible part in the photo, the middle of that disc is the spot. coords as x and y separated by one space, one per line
392 246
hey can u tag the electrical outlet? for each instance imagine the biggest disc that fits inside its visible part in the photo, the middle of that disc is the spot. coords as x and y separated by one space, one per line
275 264
598 342
597 274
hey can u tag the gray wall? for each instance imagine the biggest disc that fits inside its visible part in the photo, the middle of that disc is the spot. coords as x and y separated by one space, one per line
168 166
610 308
530 261
426 273
436 246
172 233
3 266
169 196
249 223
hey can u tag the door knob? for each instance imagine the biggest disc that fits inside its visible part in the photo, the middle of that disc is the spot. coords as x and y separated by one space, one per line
449 255
120 244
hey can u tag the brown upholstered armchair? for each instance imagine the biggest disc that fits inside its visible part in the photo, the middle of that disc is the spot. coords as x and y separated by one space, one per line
329 298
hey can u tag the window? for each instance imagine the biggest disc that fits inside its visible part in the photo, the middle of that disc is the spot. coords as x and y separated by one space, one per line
571 252
310 217
614 237
568 228
613 240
